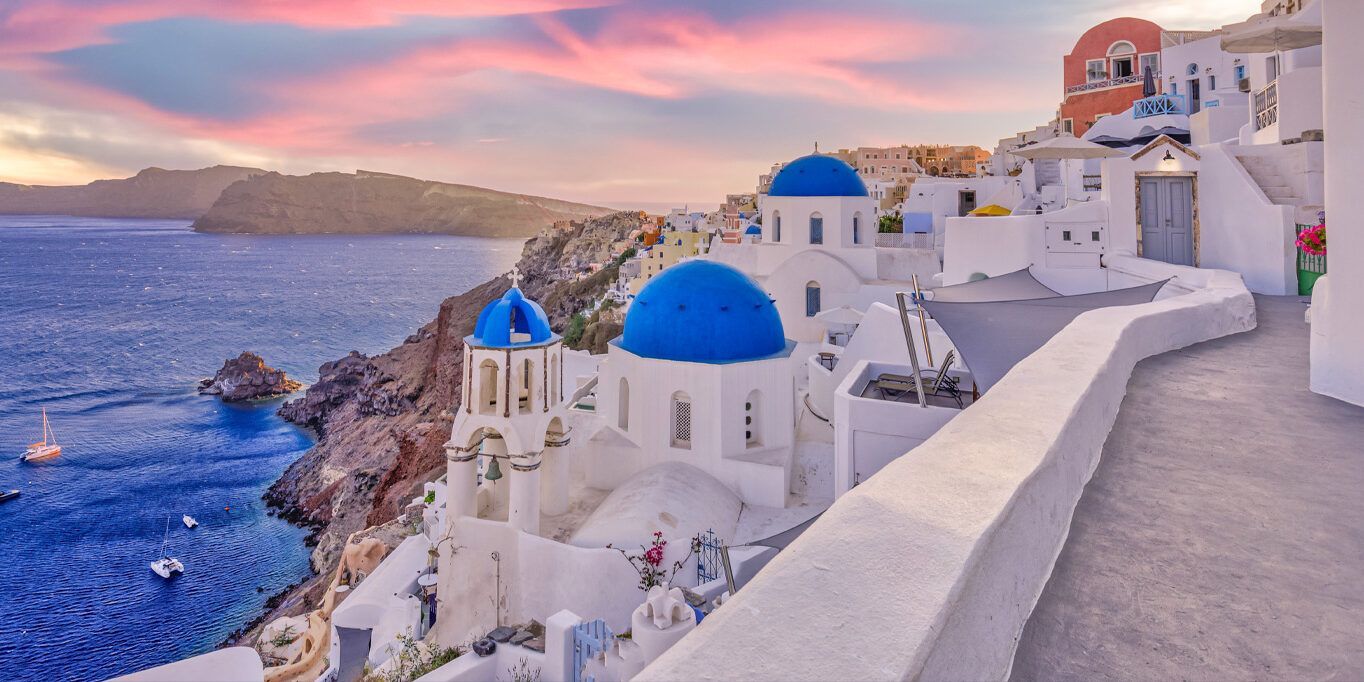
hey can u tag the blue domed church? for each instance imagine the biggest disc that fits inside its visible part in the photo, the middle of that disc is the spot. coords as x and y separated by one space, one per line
702 375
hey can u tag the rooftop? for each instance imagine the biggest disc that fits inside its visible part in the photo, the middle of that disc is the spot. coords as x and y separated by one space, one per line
1222 535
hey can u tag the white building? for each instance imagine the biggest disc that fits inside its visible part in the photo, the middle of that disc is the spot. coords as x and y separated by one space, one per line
818 247
701 375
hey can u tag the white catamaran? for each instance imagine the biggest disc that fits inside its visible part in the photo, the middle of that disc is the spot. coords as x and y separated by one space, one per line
47 448
167 566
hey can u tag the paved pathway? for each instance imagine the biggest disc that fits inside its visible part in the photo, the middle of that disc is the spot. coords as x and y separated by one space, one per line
1222 536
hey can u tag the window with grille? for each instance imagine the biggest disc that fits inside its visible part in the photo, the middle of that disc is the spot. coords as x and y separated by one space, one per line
681 421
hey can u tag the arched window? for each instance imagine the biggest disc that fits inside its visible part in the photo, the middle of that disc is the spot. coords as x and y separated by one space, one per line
752 419
1120 48
811 299
526 394
857 227
487 387
623 405
776 226
680 421
816 228
554 396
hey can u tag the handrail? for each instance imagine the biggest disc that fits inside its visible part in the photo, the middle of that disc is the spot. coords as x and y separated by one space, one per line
584 390
1099 85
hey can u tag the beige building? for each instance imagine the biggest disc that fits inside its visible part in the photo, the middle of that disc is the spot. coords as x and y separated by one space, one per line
671 247
903 163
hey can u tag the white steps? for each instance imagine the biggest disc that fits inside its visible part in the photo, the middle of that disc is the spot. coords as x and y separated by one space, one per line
1266 174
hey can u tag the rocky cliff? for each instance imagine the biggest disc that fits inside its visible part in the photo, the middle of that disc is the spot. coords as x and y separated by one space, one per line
368 202
247 377
382 420
152 193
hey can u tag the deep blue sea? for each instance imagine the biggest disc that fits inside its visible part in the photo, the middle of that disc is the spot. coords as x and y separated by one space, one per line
108 324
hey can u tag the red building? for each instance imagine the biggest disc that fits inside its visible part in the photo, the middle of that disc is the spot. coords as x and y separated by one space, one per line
1103 72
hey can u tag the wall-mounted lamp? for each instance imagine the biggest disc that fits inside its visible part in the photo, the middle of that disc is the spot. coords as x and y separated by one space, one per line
1168 156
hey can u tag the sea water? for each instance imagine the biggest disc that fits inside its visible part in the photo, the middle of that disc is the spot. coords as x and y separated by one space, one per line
109 324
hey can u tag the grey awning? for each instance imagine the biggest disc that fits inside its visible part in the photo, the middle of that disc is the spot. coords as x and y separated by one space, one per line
1015 286
993 336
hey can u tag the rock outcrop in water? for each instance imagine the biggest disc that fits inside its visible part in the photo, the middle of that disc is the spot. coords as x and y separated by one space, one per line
383 420
366 202
152 193
247 377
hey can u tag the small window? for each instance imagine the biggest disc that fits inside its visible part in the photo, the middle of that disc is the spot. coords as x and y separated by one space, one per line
776 226
1121 47
681 421
1240 72
1149 61
1094 236
816 228
812 299
1065 235
1094 71
1212 81
857 228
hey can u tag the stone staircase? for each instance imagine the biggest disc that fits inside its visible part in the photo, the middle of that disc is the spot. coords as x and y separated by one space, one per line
1266 174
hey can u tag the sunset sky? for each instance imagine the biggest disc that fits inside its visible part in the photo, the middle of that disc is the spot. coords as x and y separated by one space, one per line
590 100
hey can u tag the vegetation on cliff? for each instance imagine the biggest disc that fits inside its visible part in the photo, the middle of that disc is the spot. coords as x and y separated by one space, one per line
383 420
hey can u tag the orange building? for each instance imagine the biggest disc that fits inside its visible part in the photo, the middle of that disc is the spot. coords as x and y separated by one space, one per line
1103 73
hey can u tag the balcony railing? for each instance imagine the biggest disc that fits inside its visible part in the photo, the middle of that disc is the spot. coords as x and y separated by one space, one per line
1099 85
1267 106
1093 183
1156 105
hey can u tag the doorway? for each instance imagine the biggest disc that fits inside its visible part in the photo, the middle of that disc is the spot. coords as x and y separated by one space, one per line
1195 97
1166 219
966 201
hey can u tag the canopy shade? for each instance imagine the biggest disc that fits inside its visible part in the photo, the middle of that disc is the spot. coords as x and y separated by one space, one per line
1065 147
841 315
992 337
1272 34
1018 285
991 210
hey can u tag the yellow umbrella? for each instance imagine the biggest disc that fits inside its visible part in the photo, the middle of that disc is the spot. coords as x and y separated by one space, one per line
991 210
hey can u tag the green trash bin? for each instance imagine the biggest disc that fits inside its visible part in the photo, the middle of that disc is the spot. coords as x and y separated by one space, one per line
1310 268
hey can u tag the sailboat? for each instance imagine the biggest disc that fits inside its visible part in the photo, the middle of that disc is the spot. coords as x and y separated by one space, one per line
167 566
47 448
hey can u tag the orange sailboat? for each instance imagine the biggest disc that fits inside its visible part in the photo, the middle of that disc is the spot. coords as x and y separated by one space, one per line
47 448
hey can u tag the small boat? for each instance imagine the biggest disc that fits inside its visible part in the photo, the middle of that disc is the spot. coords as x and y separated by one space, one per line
167 566
6 496
47 448
189 521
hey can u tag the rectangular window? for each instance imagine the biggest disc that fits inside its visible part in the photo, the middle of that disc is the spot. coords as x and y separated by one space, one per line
1068 125
1271 68
1240 72
1094 70
1152 60
816 229
1212 82
1122 67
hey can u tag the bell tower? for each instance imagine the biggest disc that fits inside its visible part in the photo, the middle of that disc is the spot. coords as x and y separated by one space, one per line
509 426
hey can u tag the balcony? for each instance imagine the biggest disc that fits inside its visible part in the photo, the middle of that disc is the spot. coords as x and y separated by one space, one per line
1157 105
1100 85
1267 106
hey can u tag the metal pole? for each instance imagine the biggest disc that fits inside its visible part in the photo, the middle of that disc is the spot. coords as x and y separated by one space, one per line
913 354
729 572
923 323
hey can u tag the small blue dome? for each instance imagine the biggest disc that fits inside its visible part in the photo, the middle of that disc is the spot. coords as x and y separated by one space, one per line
753 229
817 176
513 313
702 311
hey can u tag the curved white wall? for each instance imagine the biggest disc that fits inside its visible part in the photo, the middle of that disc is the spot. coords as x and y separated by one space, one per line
930 569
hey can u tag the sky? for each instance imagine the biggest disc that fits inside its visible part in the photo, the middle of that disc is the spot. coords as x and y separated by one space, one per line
614 102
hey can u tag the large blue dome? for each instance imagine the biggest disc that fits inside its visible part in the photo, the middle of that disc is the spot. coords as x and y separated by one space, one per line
817 176
513 313
702 311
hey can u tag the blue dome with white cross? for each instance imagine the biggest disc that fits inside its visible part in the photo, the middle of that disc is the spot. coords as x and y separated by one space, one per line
511 321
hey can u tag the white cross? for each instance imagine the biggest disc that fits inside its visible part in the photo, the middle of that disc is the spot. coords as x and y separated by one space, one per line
516 277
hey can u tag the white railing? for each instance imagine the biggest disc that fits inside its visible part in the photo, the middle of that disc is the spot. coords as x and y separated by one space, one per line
902 240
1100 85
1267 106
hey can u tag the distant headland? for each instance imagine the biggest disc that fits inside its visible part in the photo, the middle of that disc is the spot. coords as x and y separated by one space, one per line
255 201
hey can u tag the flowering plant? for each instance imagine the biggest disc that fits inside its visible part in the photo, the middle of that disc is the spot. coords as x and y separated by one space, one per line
1312 240
650 563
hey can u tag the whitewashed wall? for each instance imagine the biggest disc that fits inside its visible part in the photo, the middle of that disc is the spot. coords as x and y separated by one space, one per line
930 569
